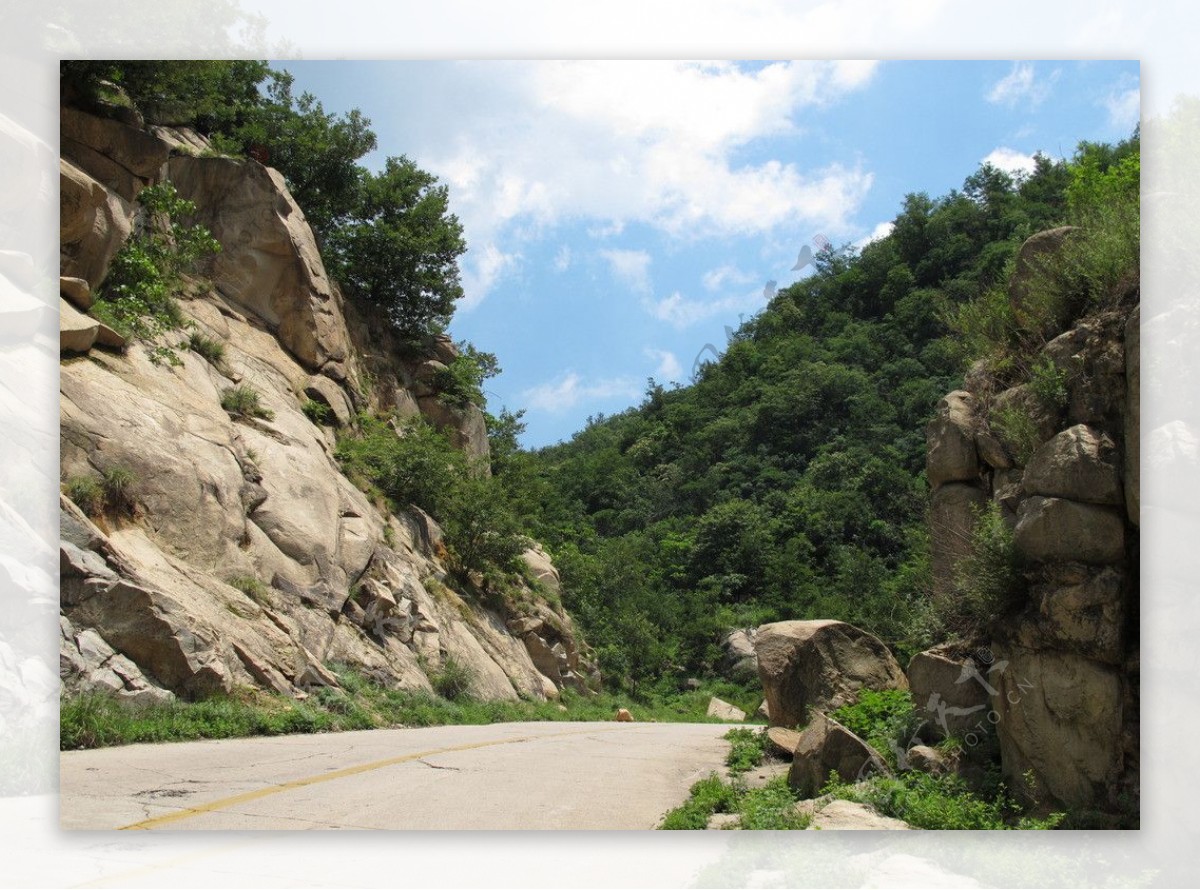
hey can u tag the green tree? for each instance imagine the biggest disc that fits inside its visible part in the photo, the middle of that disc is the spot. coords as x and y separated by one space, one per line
399 248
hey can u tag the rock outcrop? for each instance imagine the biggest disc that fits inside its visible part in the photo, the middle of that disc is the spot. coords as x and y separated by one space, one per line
820 665
1059 689
234 552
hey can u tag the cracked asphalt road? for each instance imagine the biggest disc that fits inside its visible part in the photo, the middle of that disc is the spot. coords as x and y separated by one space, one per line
503 776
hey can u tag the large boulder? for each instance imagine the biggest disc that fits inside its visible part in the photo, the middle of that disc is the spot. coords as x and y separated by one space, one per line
951 455
1057 530
723 710
1079 464
826 747
76 331
820 665
269 262
950 691
1033 270
93 224
738 659
1060 721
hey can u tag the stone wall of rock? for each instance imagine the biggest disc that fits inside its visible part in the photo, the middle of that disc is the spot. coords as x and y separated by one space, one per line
1061 680
238 554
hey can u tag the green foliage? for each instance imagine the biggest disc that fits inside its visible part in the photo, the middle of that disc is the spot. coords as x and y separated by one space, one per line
137 295
204 93
989 582
253 588
884 719
97 720
245 401
398 248
769 808
1048 383
706 797
211 350
87 494
419 466
318 412
461 383
938 803
452 680
746 750
111 493
117 485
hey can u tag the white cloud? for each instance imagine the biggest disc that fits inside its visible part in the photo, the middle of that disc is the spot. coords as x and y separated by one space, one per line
669 369
481 269
570 389
1124 106
562 261
630 267
724 276
609 144
1010 160
881 230
681 312
1022 85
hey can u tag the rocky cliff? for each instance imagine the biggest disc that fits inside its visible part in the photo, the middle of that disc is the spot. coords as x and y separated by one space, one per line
1053 678
237 554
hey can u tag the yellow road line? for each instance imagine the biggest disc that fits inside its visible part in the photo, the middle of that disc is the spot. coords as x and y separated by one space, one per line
226 802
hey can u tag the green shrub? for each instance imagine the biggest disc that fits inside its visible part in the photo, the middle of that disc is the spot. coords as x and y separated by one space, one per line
461 382
318 412
937 803
746 749
707 796
136 297
1049 383
211 350
113 491
244 401
253 588
989 582
117 484
884 719
1016 426
452 680
770 808
87 494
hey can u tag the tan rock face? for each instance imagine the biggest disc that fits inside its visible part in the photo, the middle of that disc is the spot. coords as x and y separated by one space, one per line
825 747
1060 716
93 224
951 455
1079 464
738 658
464 425
723 710
783 740
236 558
269 261
950 691
76 331
953 511
1058 530
121 157
822 665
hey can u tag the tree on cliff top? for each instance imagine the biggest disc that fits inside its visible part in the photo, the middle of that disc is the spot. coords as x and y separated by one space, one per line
399 248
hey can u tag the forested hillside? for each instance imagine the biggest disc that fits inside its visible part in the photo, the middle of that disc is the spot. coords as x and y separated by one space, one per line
788 480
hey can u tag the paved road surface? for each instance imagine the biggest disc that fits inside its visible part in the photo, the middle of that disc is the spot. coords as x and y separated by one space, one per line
504 776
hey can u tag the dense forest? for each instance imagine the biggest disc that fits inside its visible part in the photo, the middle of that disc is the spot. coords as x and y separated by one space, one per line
787 481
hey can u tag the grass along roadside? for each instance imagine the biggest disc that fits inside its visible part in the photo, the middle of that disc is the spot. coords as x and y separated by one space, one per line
96 720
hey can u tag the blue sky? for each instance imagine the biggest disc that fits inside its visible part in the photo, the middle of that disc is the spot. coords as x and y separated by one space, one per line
620 216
